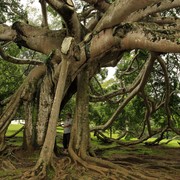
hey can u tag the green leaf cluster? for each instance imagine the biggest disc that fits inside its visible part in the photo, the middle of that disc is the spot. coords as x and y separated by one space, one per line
11 77
11 11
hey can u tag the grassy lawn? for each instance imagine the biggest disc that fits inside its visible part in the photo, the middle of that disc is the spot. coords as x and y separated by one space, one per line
153 157
17 140
13 128
173 143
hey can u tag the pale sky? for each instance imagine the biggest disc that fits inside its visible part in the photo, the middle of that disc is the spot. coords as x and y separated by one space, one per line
31 3
111 71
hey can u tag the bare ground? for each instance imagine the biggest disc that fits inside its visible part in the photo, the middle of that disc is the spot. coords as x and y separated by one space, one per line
159 163
162 165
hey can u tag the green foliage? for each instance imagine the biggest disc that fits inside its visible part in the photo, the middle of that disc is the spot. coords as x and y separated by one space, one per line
10 78
51 10
133 62
13 75
11 11
132 116
68 108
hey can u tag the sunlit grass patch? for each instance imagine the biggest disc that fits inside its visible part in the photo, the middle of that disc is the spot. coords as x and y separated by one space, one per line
59 130
173 143
97 144
13 128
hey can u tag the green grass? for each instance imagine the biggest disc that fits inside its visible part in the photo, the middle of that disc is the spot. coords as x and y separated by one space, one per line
137 150
13 128
59 129
173 143
17 140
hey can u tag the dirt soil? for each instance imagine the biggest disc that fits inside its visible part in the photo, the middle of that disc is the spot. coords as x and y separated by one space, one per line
163 165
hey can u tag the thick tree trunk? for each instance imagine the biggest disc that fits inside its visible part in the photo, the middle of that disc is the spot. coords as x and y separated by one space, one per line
2 141
47 150
28 130
24 93
80 131
7 115
79 147
45 105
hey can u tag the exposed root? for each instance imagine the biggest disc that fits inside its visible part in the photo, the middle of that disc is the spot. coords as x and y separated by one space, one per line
9 153
39 171
87 165
7 165
61 167
35 173
107 169
67 162
117 172
2 147
67 169
104 168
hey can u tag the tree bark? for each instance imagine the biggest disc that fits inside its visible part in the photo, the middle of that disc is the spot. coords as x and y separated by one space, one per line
28 128
80 130
45 158
24 93
45 105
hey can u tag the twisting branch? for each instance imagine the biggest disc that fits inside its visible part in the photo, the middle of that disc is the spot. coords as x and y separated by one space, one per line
161 137
102 5
129 70
167 95
17 60
142 80
44 13
66 10
119 11
147 115
5 101
99 84
160 21
108 96
157 7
